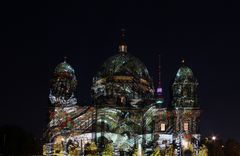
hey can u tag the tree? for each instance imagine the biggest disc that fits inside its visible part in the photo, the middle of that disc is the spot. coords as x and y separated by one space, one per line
232 148
169 151
16 141
137 152
203 151
108 150
90 149
156 151
214 147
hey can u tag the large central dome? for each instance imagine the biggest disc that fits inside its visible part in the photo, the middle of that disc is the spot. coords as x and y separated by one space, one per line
123 76
124 65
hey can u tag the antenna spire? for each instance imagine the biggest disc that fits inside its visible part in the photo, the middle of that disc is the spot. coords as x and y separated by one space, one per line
159 70
159 90
183 61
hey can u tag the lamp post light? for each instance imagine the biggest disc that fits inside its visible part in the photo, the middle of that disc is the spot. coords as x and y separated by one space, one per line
214 138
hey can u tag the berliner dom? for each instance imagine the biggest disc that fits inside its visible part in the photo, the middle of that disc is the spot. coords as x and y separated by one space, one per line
128 115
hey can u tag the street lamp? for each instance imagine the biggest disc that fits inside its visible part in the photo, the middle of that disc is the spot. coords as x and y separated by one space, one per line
214 138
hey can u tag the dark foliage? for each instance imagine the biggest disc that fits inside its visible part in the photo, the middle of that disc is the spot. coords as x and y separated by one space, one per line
16 141
219 148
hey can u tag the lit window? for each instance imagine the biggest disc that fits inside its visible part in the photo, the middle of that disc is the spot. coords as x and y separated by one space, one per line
163 127
122 48
185 126
184 93
122 99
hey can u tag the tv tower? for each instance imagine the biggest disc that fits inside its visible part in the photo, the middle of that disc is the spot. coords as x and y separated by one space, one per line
159 89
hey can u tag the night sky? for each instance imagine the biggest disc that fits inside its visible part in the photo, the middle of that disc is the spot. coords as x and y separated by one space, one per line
36 35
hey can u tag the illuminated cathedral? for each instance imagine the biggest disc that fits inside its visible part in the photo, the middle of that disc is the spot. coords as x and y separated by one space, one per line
128 115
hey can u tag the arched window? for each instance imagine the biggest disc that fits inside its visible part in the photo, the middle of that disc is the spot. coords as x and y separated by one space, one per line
163 127
185 126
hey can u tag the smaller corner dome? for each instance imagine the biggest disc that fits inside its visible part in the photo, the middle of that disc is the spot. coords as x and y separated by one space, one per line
184 73
64 67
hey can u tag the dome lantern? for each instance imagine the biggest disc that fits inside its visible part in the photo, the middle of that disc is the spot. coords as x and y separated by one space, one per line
122 47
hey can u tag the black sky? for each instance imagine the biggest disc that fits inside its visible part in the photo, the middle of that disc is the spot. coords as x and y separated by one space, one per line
36 35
